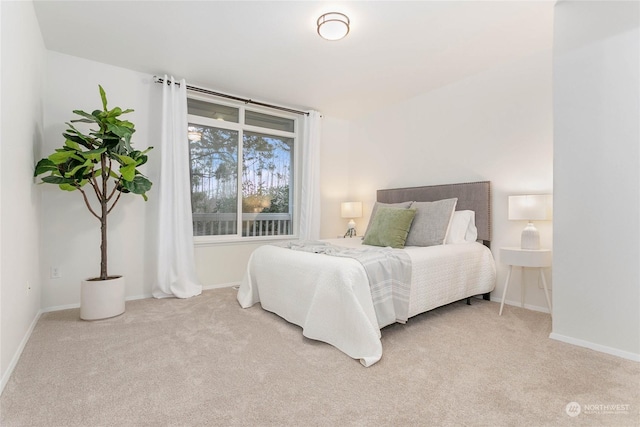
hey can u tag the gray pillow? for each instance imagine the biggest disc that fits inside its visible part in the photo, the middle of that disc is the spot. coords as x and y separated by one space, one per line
389 227
429 227
403 205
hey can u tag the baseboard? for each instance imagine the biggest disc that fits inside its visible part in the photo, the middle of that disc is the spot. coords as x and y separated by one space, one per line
18 353
77 305
597 347
60 307
135 297
517 304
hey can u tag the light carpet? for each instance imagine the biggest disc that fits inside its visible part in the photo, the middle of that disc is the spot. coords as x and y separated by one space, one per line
206 361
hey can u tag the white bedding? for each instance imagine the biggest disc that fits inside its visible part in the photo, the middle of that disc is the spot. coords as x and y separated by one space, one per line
329 296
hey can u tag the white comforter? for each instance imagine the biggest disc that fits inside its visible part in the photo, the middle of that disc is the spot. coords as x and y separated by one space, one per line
329 296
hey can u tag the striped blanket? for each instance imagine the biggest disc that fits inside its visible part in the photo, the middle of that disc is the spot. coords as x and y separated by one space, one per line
388 271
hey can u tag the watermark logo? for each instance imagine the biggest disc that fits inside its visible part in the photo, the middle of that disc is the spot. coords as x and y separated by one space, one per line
573 409
608 409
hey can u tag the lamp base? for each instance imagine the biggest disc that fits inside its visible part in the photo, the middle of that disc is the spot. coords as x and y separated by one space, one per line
351 229
350 233
530 238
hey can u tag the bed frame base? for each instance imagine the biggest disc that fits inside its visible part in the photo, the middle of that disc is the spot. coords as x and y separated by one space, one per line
486 297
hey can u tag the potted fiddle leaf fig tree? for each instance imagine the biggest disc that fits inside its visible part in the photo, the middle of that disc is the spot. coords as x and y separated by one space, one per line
100 164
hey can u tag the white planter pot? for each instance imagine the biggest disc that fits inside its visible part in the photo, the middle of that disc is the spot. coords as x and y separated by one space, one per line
101 299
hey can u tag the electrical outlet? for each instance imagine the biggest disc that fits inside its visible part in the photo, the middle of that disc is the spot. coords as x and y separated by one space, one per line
55 272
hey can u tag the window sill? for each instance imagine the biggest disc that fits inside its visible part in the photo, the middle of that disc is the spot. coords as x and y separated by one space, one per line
203 241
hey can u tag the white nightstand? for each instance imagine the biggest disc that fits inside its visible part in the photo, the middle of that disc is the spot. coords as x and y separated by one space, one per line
535 258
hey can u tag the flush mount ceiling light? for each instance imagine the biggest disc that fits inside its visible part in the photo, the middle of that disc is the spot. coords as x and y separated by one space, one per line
333 26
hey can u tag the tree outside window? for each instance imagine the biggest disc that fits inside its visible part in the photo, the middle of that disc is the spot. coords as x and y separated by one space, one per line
266 174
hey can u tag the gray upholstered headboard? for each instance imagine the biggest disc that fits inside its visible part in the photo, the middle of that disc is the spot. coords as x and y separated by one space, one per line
475 196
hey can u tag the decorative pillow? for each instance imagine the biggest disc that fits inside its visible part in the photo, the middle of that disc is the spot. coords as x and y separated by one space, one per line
389 227
403 205
431 223
463 228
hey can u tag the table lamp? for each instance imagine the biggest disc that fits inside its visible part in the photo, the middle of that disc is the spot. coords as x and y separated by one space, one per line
351 210
530 208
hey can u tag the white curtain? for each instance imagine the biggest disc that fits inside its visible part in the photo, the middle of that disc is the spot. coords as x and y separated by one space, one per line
176 273
310 203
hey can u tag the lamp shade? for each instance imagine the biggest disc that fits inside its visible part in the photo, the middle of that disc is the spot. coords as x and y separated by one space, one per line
530 207
351 209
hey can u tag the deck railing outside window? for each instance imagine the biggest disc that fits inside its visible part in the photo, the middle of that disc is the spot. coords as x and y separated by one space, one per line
253 224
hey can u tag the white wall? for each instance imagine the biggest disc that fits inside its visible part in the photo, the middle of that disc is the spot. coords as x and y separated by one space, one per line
597 178
494 126
20 136
335 163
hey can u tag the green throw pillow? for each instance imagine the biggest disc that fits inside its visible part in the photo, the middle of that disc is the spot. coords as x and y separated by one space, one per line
390 227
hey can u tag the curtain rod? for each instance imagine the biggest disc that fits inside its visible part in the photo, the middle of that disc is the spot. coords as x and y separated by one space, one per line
157 79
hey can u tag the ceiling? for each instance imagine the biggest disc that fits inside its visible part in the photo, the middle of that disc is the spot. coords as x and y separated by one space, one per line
270 51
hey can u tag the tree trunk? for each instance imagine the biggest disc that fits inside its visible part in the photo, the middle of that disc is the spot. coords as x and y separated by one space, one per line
103 220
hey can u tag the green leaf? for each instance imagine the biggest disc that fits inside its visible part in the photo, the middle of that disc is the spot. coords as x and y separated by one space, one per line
77 139
127 124
74 130
67 187
86 115
110 143
85 165
74 155
103 96
128 172
140 156
93 154
139 185
60 157
126 160
121 131
57 180
76 136
141 160
72 144
45 165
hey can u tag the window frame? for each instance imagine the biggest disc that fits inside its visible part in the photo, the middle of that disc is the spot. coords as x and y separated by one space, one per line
241 127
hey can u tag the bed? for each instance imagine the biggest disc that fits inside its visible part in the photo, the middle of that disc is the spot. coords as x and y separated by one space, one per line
334 298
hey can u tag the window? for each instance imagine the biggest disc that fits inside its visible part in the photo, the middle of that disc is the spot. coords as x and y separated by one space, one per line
242 171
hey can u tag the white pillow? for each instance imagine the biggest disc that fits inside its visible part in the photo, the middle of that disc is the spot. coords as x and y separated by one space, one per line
462 228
